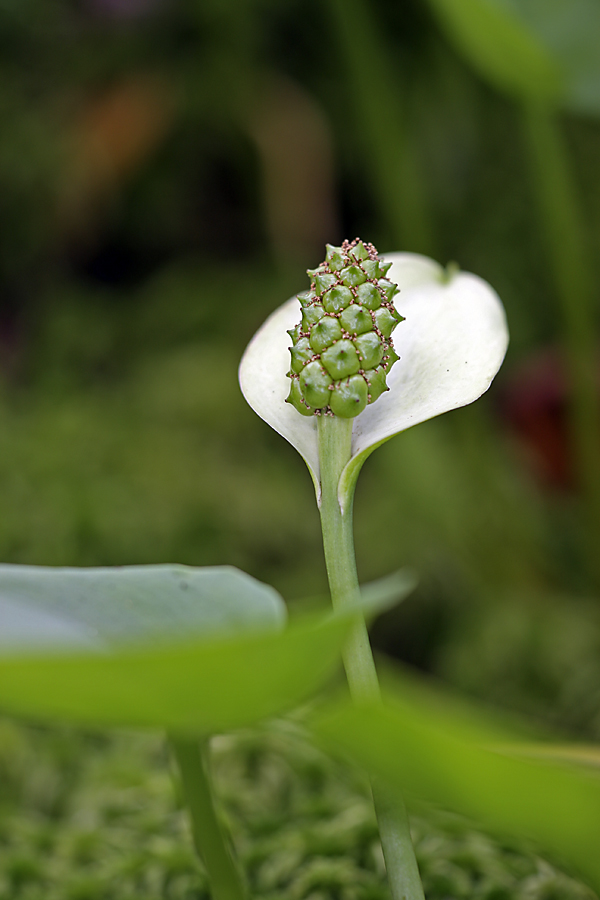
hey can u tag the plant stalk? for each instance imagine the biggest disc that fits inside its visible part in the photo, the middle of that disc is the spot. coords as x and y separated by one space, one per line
210 840
335 435
562 227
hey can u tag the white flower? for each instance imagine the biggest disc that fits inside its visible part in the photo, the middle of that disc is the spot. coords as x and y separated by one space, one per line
450 346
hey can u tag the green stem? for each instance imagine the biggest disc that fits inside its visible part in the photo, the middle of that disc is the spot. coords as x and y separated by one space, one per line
562 228
335 435
211 842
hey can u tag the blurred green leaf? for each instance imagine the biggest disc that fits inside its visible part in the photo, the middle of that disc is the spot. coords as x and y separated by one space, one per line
493 38
544 50
195 686
570 30
384 593
44 607
577 754
68 645
445 757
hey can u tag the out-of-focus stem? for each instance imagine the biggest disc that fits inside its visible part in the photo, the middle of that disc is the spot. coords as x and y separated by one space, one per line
335 435
212 844
562 228
373 99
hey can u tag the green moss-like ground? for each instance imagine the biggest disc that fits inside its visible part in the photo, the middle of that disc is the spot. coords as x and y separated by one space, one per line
91 817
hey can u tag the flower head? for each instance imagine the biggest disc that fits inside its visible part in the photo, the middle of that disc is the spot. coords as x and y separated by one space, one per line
342 348
450 347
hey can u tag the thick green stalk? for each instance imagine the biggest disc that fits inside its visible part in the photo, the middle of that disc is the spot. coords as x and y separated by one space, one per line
561 223
212 844
335 435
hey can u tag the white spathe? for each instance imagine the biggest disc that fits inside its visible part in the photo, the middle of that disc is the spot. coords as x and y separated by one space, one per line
450 347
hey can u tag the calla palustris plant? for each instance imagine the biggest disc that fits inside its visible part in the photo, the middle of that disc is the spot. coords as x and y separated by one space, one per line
344 387
450 343
196 651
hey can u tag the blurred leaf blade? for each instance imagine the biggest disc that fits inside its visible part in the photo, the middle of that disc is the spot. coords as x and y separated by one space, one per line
501 48
200 686
404 743
585 755
570 29
384 593
43 606
537 50
98 646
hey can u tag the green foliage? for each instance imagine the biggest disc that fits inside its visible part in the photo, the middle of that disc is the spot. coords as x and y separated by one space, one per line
447 754
87 812
570 30
123 438
200 686
54 608
384 593
501 48
535 653
189 650
533 49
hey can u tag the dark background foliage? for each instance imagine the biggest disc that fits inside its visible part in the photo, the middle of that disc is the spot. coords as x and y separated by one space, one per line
168 170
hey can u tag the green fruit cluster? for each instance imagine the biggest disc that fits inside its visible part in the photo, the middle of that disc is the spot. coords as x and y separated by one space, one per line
342 349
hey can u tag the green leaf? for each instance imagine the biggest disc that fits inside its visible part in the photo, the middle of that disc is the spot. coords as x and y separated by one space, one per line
586 755
570 29
97 608
195 686
451 756
543 50
384 593
498 43
163 646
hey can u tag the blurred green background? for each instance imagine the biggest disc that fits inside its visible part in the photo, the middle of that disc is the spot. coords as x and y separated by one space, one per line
170 168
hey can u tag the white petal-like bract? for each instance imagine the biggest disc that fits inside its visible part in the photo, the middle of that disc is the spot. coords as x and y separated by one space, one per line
450 347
